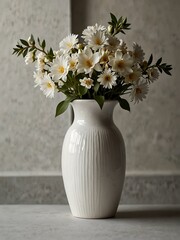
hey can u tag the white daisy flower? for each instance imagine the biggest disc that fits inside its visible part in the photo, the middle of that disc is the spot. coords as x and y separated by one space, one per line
38 76
86 82
87 33
90 30
121 63
113 43
107 78
68 42
133 76
29 58
137 53
153 74
97 40
139 92
47 86
87 61
59 68
73 60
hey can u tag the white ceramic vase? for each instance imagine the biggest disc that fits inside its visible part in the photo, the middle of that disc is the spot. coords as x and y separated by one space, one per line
93 161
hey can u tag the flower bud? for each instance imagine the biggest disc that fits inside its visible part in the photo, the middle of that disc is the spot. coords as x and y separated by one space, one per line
31 40
80 46
144 64
111 29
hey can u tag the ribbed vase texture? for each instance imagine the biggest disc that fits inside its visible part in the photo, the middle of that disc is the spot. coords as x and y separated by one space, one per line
93 161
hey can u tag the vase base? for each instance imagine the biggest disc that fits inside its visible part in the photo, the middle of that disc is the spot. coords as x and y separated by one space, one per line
95 216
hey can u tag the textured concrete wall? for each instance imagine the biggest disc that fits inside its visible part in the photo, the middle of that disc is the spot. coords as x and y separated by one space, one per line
152 129
30 136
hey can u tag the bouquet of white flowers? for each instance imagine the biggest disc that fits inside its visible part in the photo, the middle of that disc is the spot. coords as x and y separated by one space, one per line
99 67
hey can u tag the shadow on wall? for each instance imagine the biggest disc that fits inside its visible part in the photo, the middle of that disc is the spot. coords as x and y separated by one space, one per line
78 16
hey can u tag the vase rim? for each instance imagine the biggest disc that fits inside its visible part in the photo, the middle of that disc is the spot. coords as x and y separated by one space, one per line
92 100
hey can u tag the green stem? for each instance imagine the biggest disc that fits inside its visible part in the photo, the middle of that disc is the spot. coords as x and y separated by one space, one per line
41 50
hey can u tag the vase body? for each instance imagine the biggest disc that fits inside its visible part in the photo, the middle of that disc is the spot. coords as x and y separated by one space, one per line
93 161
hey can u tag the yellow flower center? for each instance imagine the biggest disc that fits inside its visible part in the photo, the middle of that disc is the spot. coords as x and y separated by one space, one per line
69 45
88 82
137 54
153 74
120 64
72 64
138 91
49 85
107 78
61 69
131 77
104 58
89 63
98 41
41 61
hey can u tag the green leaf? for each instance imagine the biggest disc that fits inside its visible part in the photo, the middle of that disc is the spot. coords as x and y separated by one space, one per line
19 46
110 23
39 42
159 61
61 107
25 52
124 104
51 52
163 65
70 98
160 69
100 100
113 18
122 31
118 25
150 60
16 50
31 49
82 90
43 44
96 87
120 20
167 72
24 42
165 68
20 52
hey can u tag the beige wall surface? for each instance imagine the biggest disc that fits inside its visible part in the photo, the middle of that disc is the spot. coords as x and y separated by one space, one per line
152 129
30 136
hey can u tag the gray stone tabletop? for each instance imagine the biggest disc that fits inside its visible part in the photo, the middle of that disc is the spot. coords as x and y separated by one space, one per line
51 222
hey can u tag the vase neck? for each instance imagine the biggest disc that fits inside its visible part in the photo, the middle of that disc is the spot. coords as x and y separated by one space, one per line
89 112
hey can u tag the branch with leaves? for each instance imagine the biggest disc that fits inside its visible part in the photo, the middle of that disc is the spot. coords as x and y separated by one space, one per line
24 47
118 25
162 67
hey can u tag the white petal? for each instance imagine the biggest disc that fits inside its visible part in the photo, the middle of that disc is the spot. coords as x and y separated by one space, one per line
118 54
98 67
96 57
